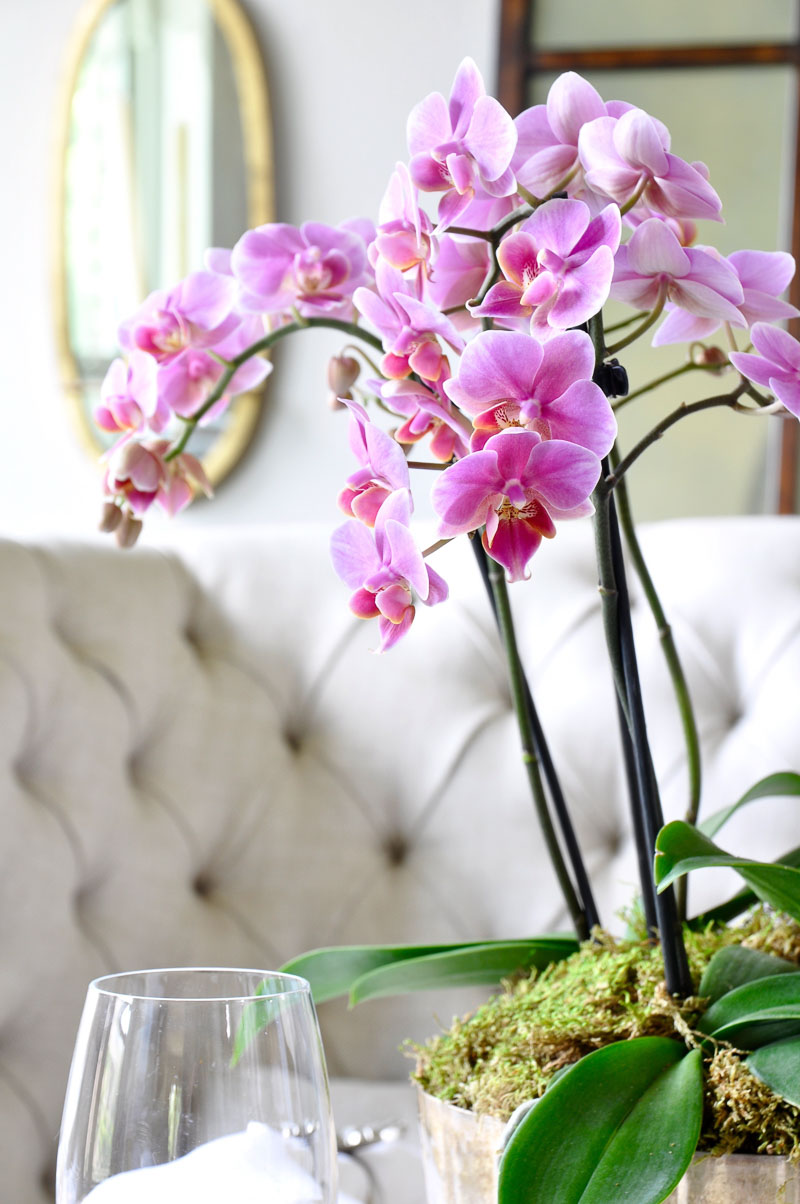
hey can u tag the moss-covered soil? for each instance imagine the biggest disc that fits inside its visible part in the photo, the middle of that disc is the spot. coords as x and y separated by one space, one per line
610 990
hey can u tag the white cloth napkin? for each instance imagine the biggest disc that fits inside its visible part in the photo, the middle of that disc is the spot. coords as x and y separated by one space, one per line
240 1168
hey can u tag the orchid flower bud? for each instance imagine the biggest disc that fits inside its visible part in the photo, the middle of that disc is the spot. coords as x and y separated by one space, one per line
713 358
128 530
343 372
110 517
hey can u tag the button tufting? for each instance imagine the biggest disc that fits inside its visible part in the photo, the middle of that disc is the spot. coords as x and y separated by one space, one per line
203 884
47 1179
192 638
293 738
396 848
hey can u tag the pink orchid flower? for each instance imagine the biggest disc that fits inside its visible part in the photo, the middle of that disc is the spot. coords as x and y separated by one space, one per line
776 366
409 327
314 269
383 467
462 146
129 399
546 156
459 269
654 267
557 266
140 474
426 413
386 569
186 382
404 237
506 379
198 312
515 487
628 156
763 275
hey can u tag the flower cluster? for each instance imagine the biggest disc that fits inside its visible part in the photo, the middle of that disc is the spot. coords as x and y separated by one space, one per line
485 312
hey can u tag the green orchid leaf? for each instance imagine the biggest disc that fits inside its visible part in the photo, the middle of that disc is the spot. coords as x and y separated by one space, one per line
756 1013
681 848
334 971
774 786
734 966
778 1065
622 1125
742 901
476 965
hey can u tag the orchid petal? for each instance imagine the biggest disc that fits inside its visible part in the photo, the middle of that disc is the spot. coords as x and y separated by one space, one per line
497 365
559 224
571 102
468 88
491 138
428 124
777 345
566 358
638 141
353 553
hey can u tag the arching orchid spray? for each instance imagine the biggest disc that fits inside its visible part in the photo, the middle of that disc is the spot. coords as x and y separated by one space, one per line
478 301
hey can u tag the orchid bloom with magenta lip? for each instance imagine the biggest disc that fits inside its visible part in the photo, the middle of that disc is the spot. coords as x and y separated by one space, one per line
314 269
129 399
383 467
198 312
506 379
386 569
410 327
141 474
404 236
426 413
557 266
516 487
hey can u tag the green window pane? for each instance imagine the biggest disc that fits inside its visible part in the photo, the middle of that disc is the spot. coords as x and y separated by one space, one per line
561 23
719 462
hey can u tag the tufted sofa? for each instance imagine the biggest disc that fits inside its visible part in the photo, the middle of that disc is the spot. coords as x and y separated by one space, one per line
202 763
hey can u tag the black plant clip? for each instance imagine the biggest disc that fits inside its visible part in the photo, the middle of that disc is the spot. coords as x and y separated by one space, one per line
612 378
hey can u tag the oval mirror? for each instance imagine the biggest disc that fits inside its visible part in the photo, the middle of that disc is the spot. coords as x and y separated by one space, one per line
165 150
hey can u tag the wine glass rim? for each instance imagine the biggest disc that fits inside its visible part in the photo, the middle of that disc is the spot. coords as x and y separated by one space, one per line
288 984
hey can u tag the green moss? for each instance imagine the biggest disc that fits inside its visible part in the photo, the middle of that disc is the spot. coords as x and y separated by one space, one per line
508 1051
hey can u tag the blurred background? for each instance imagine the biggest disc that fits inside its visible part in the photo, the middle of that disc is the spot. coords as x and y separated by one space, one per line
138 131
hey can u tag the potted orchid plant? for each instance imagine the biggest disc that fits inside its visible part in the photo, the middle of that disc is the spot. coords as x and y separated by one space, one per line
480 320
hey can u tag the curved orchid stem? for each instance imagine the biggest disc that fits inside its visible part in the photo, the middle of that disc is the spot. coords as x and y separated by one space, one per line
583 914
656 383
649 321
729 400
257 348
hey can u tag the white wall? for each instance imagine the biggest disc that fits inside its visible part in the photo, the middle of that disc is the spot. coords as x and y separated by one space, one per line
343 74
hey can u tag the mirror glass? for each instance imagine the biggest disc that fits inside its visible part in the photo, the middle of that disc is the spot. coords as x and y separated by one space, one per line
166 151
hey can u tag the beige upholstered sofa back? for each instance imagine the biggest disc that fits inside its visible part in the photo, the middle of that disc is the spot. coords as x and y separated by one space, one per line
202 762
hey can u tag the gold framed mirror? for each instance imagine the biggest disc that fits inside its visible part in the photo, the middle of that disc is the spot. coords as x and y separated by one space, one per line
164 149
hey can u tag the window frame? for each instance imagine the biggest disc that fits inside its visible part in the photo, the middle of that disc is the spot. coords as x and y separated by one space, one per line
519 62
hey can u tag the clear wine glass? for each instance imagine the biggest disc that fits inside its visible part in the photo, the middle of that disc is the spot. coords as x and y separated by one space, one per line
201 1085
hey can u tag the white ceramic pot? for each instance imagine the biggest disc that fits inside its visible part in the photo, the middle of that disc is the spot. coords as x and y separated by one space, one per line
459 1151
